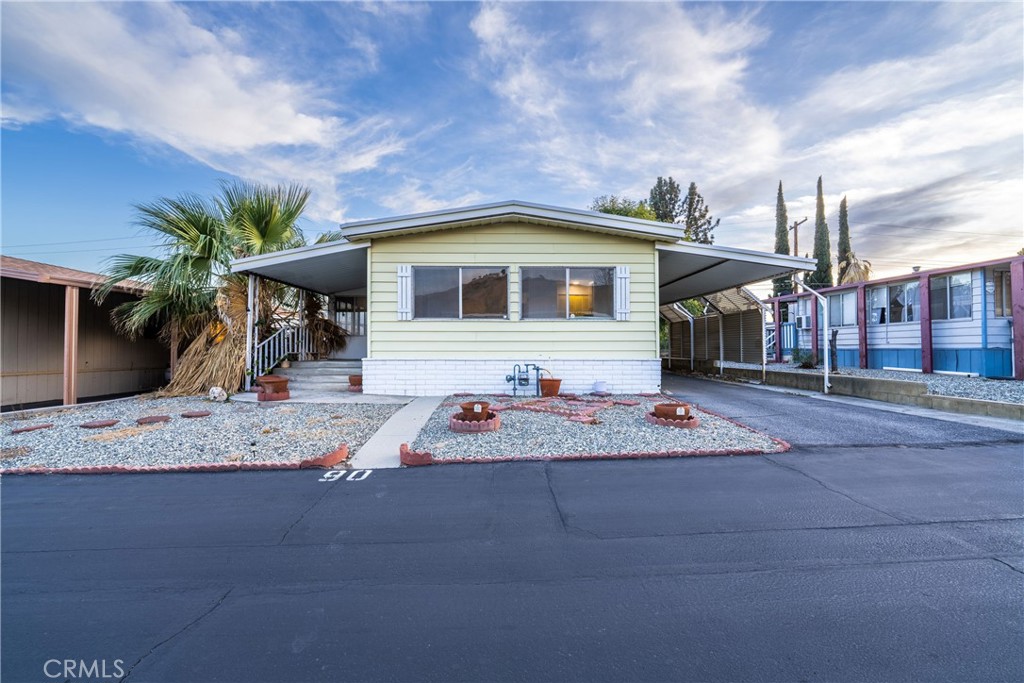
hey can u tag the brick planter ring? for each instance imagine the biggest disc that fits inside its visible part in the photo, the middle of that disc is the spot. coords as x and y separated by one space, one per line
491 424
689 423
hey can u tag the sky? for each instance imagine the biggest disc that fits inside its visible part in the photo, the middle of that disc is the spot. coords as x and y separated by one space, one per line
913 111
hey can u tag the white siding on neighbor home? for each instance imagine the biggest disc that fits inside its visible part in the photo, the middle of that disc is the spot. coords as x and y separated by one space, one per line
513 245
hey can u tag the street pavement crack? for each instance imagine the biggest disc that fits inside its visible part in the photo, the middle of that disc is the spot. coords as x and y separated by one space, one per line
825 486
304 513
177 633
554 498
1007 564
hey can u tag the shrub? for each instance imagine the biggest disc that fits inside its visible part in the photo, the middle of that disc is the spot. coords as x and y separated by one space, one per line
805 359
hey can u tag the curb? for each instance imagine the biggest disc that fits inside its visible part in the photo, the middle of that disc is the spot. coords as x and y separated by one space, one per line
324 461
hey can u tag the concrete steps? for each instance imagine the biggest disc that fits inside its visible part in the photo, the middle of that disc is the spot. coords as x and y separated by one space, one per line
320 375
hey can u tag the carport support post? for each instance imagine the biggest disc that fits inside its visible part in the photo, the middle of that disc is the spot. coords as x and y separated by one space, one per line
764 344
70 345
249 315
777 314
721 337
818 298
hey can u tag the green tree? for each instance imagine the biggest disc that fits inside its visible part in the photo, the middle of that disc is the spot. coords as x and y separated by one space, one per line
781 285
845 255
698 224
665 200
190 291
622 206
822 275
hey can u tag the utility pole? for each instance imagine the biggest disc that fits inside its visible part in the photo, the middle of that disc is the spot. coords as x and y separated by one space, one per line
796 243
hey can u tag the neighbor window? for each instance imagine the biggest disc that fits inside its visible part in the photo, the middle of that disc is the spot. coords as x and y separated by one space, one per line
567 292
951 296
1003 304
894 303
453 292
842 309
878 306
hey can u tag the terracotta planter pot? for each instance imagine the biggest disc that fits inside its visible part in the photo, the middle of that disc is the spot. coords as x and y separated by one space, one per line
474 411
355 380
549 387
273 384
672 411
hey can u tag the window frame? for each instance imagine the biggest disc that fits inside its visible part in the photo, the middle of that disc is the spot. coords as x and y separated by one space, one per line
1003 295
947 290
842 309
458 270
612 316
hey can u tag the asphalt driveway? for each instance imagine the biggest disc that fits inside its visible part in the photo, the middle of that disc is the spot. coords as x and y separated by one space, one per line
887 562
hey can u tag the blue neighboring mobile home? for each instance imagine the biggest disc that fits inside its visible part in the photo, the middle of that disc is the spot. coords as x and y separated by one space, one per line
968 319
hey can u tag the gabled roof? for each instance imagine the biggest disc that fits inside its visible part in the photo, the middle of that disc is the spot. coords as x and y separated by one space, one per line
34 271
512 212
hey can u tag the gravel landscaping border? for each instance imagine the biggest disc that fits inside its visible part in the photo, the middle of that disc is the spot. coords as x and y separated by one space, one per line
199 436
544 429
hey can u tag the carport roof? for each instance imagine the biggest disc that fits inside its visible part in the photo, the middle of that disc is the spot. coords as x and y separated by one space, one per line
686 269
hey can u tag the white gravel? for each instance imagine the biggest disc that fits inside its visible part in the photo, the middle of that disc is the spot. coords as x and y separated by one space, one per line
622 429
234 432
1003 390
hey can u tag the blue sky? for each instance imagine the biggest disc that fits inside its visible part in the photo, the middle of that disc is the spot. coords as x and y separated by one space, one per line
912 110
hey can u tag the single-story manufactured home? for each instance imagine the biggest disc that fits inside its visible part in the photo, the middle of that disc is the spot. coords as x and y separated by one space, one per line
965 319
58 346
453 300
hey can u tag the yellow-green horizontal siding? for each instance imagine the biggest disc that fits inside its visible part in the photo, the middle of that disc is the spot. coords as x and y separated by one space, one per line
513 245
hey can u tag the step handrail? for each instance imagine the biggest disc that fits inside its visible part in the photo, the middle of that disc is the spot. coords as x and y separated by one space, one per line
292 339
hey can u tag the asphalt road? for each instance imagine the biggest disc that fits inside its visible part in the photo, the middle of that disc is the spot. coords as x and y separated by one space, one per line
889 563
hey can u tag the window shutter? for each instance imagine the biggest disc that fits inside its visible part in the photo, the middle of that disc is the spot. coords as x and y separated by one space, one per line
622 292
405 292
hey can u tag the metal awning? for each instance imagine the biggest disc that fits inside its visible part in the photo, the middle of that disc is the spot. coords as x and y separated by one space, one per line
687 270
326 268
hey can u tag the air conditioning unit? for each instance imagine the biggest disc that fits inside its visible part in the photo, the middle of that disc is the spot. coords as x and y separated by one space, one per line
803 322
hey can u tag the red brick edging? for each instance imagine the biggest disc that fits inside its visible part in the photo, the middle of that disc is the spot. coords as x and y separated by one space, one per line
322 461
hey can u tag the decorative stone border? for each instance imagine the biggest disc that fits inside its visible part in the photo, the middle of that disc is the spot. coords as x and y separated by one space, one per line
153 419
491 424
322 461
689 423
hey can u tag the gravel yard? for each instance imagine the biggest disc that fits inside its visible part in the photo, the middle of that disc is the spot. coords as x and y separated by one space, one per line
1003 390
621 429
233 432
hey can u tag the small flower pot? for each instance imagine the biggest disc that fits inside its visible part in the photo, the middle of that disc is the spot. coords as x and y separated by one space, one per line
550 387
474 411
355 380
273 384
672 411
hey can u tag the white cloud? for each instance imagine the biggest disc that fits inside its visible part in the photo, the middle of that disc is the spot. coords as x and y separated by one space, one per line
150 72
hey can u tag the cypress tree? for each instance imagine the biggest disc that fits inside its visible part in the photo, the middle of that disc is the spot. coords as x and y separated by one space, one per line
781 285
698 224
845 255
665 200
822 275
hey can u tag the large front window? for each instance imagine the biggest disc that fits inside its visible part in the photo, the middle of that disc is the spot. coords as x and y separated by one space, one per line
453 292
951 296
894 303
567 292
1003 301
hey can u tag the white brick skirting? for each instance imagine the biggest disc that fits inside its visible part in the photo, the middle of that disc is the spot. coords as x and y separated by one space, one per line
433 377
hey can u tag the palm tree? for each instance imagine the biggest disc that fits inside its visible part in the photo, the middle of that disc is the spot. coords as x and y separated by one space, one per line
191 292
854 270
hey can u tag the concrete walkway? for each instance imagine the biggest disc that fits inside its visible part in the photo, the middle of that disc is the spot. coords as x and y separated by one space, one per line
381 451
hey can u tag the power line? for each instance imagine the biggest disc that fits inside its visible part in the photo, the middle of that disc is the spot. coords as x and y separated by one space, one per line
46 244
82 251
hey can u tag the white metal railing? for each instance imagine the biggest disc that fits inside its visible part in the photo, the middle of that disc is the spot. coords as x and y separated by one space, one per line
769 339
277 346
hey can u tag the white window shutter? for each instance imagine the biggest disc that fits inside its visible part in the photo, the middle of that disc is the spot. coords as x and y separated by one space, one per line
622 292
405 292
